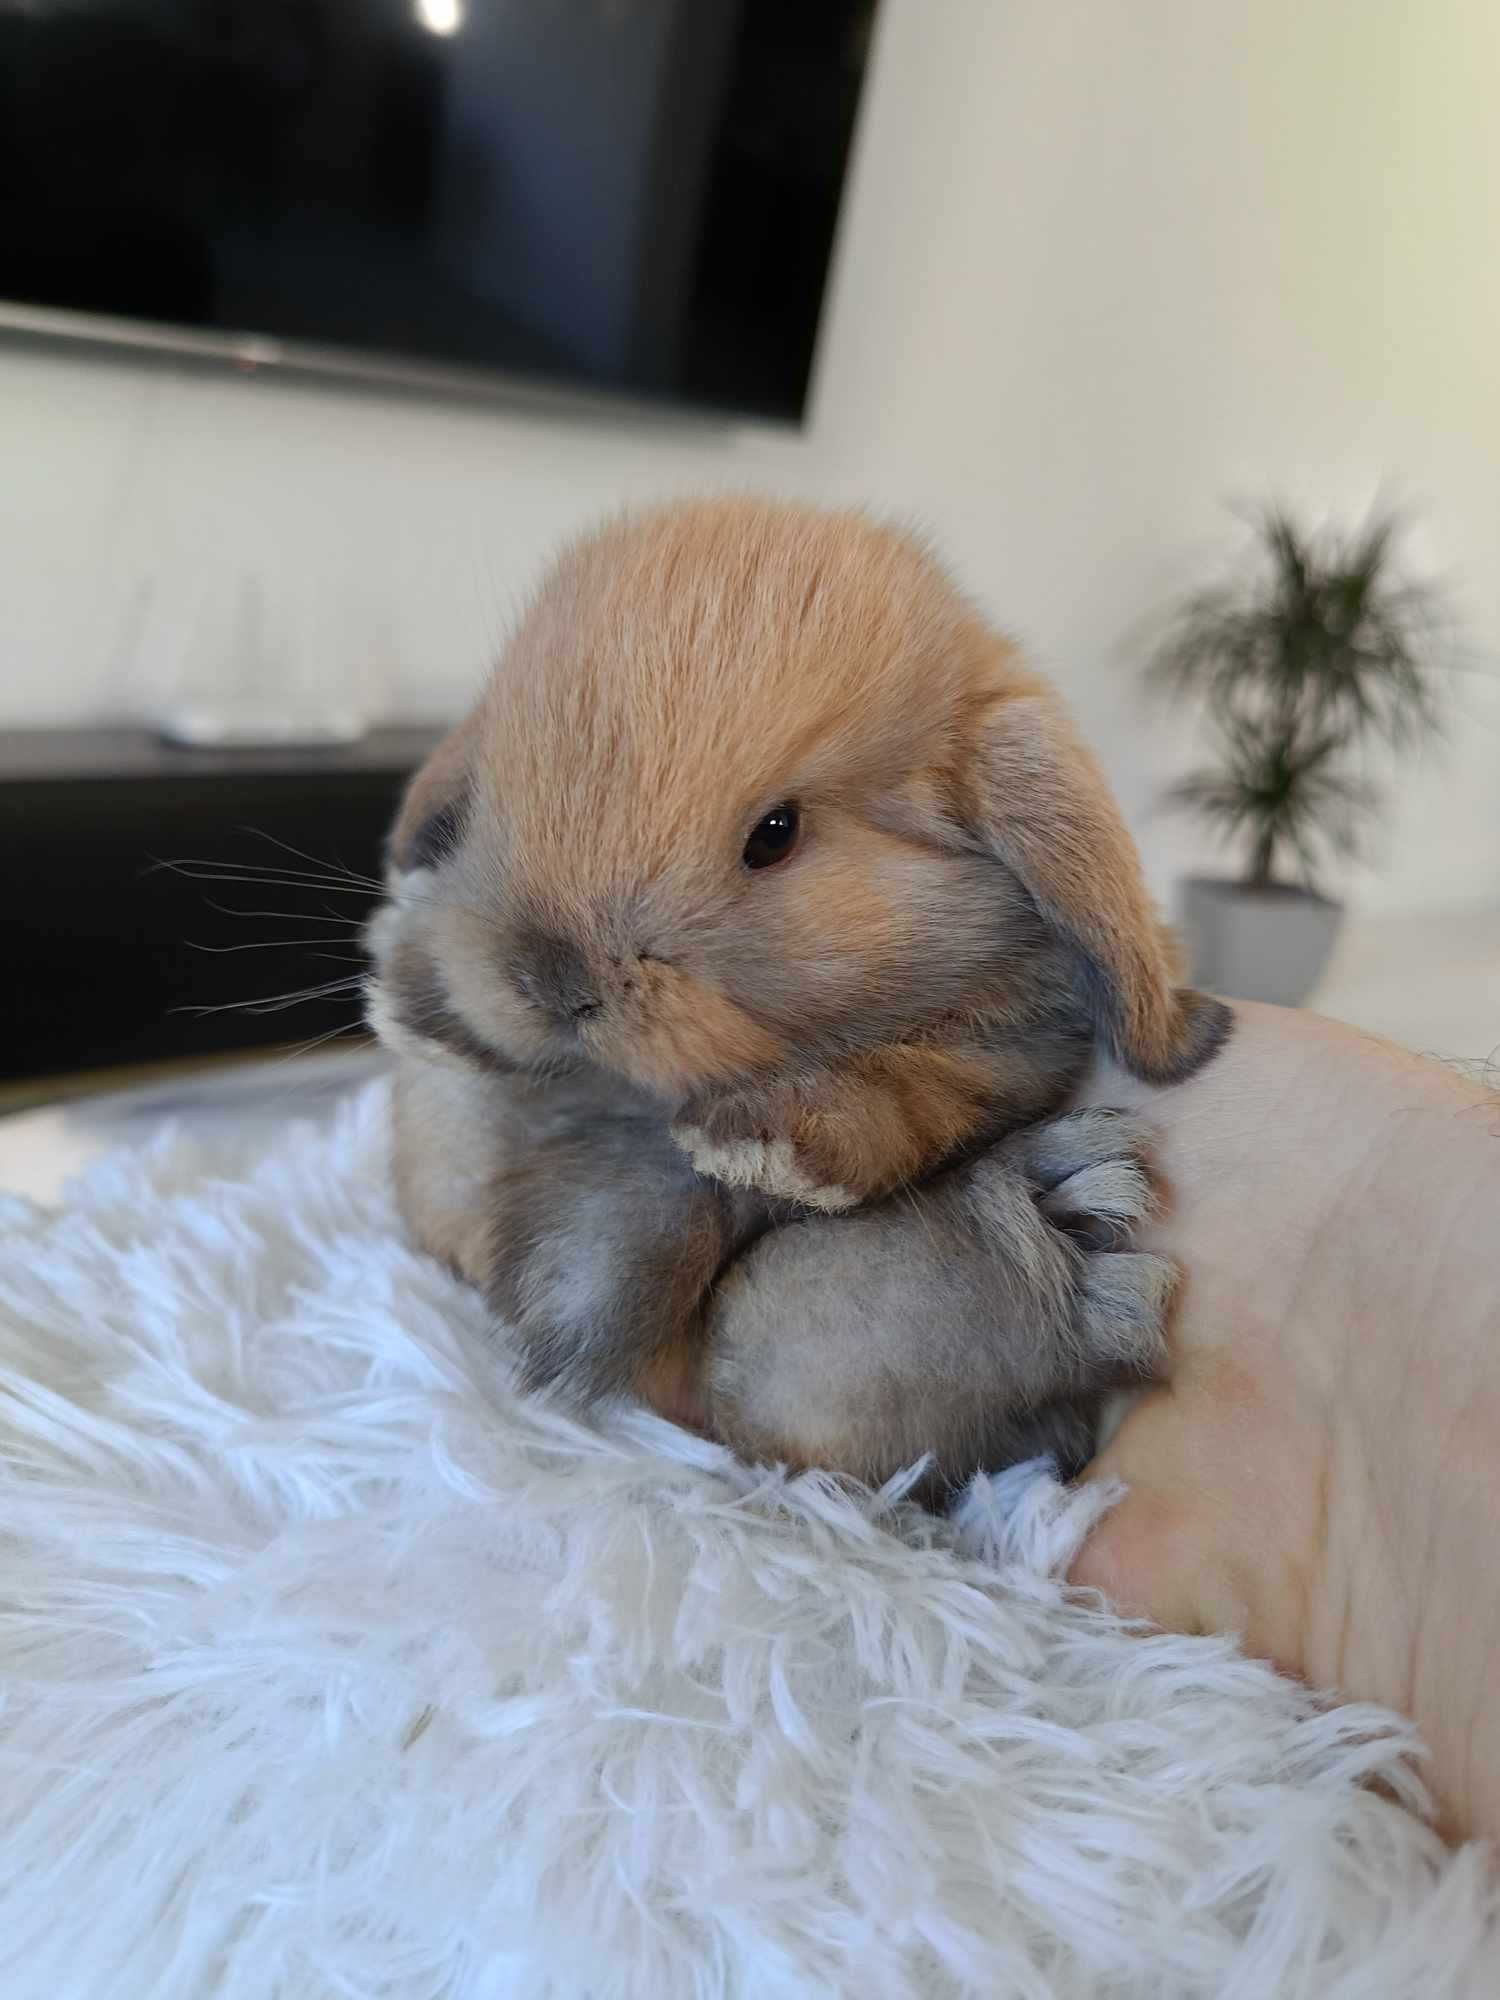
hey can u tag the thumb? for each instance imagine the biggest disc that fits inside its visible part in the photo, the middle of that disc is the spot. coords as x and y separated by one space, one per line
1167 1550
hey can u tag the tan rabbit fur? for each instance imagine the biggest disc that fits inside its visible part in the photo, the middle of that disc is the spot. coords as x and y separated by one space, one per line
641 1083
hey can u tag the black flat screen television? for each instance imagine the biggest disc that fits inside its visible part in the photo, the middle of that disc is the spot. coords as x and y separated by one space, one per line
635 196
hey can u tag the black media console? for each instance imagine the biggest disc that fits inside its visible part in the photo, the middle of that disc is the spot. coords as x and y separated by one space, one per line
106 957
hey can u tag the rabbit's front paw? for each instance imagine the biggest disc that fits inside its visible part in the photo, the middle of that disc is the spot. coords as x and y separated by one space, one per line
735 1145
844 1136
1091 1172
1091 1181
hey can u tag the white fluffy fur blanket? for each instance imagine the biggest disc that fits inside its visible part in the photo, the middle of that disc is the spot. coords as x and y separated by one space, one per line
330 1669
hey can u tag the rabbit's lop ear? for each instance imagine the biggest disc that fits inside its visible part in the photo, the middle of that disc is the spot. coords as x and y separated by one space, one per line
1042 806
430 821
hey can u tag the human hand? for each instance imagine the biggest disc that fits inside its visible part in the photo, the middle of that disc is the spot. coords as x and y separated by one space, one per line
1321 1473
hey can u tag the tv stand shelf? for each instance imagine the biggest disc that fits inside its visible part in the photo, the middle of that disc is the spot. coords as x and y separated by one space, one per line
109 959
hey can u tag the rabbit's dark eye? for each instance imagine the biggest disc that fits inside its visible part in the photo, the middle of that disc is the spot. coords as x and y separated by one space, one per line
773 838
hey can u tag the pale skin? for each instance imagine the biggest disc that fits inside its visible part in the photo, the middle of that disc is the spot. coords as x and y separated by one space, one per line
1321 1473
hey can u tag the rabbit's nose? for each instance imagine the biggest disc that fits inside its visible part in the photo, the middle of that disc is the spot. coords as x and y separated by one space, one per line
553 973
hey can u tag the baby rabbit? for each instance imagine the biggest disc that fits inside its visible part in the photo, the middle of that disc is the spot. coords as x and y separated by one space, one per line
764 885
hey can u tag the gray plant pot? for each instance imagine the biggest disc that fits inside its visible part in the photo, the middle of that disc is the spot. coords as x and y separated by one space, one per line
1257 944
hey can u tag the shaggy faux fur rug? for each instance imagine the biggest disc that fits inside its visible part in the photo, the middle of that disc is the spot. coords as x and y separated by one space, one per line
330 1669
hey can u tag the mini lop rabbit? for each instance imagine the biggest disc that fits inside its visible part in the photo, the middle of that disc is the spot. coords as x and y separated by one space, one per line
742 947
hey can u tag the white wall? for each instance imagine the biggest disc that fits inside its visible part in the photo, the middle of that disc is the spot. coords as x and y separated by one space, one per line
1106 263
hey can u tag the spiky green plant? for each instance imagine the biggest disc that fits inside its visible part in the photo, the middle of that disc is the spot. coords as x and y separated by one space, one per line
1322 647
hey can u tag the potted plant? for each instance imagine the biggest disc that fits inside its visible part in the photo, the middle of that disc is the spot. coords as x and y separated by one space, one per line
1322 647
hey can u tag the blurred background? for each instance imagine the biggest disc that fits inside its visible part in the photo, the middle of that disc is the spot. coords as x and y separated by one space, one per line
324 321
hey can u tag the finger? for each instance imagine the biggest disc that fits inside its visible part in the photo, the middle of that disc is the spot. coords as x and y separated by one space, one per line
1140 1554
1169 1550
